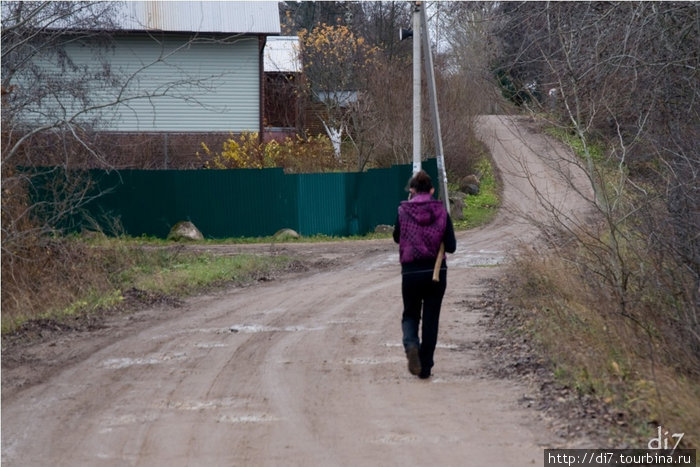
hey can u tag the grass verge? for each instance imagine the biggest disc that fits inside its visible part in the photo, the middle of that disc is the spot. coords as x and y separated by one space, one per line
480 209
79 277
600 353
609 311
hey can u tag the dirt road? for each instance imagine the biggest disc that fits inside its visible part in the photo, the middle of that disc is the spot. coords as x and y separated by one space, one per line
305 371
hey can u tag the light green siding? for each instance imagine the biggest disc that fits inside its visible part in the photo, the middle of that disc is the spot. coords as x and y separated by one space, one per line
176 84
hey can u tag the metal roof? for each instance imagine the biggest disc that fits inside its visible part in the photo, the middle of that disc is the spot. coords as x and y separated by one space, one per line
252 17
282 54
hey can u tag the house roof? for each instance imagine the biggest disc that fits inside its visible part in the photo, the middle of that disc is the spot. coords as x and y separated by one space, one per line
282 54
251 17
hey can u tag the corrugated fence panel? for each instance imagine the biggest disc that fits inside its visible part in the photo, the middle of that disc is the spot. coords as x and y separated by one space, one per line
221 203
137 201
237 202
374 205
379 192
234 203
322 204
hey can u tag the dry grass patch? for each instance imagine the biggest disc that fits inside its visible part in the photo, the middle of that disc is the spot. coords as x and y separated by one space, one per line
626 359
75 276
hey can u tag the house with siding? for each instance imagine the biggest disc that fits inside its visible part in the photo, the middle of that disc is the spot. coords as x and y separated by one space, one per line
186 73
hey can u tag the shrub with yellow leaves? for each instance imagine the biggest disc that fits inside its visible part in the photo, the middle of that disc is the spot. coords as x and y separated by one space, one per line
295 155
334 58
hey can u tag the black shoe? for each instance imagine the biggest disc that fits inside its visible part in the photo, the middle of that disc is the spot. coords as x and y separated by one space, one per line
413 360
424 374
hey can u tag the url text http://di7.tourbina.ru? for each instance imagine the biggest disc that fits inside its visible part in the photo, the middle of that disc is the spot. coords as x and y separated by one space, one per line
662 450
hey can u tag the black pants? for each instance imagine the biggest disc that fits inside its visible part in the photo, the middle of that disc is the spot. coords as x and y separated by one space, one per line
420 293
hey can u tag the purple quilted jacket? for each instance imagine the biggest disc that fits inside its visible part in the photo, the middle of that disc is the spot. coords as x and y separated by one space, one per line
423 221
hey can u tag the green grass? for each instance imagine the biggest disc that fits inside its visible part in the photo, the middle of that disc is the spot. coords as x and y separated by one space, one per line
195 272
596 150
480 209
146 240
108 267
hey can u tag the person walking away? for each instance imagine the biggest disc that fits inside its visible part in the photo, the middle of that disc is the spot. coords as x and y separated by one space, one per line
422 224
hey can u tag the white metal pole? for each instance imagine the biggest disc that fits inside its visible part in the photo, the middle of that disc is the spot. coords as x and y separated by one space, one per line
416 89
432 94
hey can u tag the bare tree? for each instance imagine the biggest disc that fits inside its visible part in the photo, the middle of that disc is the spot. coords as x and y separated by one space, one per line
389 93
379 23
56 102
307 15
471 49
624 77
36 73
336 66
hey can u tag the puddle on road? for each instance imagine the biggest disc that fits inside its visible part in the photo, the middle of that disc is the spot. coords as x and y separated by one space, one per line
254 328
342 321
395 438
459 259
128 419
273 311
249 418
476 258
439 345
399 438
390 259
196 405
228 404
373 361
448 346
119 363
210 345
183 332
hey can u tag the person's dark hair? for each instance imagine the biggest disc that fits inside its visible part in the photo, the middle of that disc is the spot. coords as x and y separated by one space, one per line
421 182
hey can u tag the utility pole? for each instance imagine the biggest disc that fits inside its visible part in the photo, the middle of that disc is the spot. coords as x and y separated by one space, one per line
420 22
435 115
416 89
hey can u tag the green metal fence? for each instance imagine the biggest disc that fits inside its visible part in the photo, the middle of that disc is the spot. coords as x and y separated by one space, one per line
236 203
